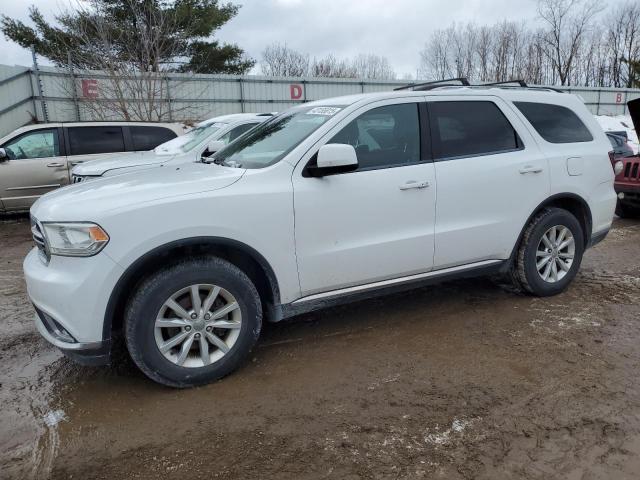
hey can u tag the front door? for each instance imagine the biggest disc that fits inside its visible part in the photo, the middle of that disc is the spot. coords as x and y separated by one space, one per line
33 166
377 222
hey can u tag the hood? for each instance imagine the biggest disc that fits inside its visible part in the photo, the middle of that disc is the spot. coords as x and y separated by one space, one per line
87 201
634 111
101 166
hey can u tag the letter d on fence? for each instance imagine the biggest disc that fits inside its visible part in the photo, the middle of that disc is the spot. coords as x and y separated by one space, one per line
295 89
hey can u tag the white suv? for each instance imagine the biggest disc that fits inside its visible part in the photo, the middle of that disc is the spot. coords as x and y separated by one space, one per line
329 201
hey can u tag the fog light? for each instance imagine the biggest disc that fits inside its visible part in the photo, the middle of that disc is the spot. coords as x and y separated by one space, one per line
618 167
621 196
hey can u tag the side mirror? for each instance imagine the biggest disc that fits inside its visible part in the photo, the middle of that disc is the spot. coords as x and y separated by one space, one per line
3 155
215 146
334 158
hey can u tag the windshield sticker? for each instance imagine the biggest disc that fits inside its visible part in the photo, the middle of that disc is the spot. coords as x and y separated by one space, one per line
326 111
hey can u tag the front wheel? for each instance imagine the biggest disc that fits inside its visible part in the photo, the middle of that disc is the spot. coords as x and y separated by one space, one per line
193 322
549 254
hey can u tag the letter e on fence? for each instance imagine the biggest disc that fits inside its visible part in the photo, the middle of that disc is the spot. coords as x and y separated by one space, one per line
296 91
89 88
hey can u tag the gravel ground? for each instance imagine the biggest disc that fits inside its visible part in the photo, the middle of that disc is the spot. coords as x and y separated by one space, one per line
461 381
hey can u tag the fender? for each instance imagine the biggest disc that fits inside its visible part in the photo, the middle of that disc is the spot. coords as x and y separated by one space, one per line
549 201
130 273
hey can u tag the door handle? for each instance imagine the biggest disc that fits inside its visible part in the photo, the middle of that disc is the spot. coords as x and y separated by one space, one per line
54 165
530 169
414 184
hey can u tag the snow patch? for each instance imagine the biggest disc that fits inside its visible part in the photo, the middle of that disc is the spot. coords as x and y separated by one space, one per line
54 417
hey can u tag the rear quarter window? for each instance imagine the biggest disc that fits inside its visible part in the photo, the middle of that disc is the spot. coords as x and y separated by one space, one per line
148 137
554 123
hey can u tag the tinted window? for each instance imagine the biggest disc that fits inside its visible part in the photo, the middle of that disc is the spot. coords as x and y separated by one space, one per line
148 138
554 123
234 133
86 140
461 129
384 137
36 144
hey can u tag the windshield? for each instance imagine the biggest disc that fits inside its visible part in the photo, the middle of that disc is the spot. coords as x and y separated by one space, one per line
189 140
270 141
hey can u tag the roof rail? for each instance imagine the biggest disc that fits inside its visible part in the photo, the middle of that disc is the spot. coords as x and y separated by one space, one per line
520 83
435 84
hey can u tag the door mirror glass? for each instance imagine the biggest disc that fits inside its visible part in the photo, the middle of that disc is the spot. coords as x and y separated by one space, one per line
215 146
334 158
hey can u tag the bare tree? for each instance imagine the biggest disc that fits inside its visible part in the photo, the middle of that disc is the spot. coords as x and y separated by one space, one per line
567 22
372 66
279 60
332 67
132 83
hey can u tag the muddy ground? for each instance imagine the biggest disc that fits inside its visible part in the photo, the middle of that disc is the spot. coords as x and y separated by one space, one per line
465 380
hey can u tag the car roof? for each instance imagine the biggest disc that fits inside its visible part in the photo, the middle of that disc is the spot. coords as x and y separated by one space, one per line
236 117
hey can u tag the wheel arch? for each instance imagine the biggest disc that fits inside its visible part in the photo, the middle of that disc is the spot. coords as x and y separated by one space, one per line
241 255
571 202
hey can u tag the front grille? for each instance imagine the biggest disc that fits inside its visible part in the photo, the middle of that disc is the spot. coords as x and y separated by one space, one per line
38 238
631 169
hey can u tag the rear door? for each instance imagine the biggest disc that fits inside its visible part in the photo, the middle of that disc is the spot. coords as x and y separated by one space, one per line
92 142
35 164
491 175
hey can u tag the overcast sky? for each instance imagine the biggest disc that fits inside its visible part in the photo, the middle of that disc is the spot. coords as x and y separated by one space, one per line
396 29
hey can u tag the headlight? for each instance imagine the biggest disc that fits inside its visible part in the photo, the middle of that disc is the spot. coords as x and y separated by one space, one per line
618 167
74 239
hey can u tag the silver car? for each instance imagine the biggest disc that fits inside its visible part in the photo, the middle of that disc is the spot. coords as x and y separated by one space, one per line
36 159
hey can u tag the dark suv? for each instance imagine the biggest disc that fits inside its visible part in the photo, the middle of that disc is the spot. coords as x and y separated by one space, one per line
627 183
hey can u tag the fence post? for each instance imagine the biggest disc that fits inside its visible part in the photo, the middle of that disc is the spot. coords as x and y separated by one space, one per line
241 83
73 86
598 104
36 70
166 78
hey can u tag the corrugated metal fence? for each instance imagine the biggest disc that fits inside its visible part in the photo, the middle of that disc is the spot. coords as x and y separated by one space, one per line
55 95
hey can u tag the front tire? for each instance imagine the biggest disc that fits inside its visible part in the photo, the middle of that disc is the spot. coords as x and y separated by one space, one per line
193 322
550 253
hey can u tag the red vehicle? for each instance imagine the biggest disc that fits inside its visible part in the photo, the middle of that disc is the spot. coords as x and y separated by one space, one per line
627 183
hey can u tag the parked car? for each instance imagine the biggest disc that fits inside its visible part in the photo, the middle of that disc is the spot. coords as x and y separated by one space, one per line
205 139
627 182
36 159
621 147
330 201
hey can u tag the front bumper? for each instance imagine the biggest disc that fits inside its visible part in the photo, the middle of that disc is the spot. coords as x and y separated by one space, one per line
85 353
70 297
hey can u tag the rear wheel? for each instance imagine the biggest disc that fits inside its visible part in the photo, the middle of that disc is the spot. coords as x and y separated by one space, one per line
549 254
193 322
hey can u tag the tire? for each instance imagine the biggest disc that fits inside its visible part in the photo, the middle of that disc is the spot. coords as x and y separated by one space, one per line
145 336
525 272
627 211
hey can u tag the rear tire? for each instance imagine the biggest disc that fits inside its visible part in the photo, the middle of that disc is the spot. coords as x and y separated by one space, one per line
549 254
627 211
208 307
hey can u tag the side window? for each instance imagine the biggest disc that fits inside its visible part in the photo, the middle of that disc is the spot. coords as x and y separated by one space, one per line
148 138
470 128
36 144
88 140
234 133
554 123
384 136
